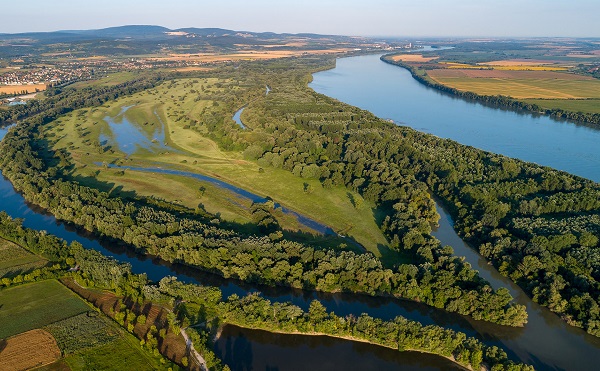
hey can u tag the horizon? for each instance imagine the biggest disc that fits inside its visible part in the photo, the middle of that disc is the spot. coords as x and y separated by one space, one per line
437 37
379 18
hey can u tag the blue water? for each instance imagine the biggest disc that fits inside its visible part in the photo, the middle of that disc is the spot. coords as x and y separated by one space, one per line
390 92
237 117
130 137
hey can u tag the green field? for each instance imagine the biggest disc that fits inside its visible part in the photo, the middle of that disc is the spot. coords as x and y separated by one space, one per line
574 105
175 105
124 353
526 88
35 305
82 331
16 260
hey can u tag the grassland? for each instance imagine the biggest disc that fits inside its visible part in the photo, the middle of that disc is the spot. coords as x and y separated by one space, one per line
16 260
35 305
174 105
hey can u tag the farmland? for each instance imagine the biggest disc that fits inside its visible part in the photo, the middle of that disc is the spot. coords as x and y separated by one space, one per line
28 350
16 260
519 84
21 89
82 331
554 79
123 353
34 305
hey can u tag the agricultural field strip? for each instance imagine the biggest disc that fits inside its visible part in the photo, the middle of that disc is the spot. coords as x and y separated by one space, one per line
15 259
35 305
521 88
29 350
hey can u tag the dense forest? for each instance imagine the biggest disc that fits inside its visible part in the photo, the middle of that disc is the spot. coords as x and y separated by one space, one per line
500 100
195 304
539 226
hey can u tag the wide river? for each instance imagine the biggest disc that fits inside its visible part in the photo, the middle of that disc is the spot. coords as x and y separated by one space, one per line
546 341
390 92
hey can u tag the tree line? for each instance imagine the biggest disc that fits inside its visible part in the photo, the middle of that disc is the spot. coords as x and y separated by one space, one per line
195 304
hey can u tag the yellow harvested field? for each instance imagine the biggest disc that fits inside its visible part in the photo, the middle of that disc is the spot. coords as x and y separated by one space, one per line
517 62
28 350
525 88
412 58
271 54
530 68
190 69
18 89
507 74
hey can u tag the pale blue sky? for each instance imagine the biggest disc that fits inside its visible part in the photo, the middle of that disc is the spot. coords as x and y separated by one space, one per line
579 18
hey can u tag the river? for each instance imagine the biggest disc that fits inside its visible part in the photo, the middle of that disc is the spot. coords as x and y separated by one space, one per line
546 341
390 92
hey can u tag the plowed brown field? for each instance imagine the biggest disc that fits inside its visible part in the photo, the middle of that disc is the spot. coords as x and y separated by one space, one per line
30 349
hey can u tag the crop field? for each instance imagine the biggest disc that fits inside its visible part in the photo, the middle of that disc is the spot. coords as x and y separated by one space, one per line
18 89
173 345
413 58
35 305
81 332
28 350
575 105
246 55
519 84
15 260
168 109
507 74
124 353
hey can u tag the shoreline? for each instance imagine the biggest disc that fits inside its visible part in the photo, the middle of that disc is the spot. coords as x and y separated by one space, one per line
499 101
219 332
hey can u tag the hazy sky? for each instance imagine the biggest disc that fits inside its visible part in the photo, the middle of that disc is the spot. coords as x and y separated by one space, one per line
345 17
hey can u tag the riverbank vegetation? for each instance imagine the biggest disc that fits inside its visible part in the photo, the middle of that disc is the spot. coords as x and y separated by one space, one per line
281 137
157 311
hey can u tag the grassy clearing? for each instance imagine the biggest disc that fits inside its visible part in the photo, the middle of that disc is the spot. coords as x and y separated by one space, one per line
34 305
173 104
525 88
579 105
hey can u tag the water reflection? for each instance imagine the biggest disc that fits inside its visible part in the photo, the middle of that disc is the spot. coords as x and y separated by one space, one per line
243 349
